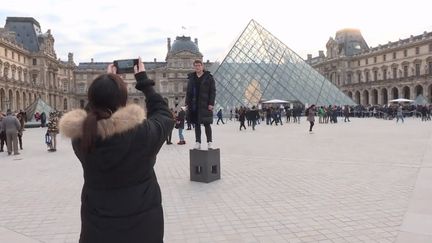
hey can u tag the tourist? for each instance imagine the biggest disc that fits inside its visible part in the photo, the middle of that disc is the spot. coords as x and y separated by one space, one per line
399 114
346 113
21 119
254 116
2 133
53 130
117 144
310 113
168 139
180 122
11 126
242 118
200 100
220 117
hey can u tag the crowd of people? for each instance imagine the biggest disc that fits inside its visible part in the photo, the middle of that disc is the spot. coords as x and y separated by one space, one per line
11 131
12 123
117 144
274 114
12 126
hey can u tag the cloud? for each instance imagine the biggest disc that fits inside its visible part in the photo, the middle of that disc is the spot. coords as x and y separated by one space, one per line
100 29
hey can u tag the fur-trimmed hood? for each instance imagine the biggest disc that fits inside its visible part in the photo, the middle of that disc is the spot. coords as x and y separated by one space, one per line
124 119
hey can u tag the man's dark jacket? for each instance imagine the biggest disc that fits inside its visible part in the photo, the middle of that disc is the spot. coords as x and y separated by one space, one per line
206 97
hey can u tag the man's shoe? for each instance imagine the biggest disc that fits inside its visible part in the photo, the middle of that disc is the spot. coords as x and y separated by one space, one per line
209 145
197 145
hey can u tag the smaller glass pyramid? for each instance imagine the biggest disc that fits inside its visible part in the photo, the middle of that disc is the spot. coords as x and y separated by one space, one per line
260 67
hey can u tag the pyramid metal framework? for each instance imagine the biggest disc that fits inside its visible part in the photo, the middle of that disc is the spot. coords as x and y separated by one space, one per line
260 67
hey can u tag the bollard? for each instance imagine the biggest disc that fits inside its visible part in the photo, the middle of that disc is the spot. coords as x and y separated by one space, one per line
204 165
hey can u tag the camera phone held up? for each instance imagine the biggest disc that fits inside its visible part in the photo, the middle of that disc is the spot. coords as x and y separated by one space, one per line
125 66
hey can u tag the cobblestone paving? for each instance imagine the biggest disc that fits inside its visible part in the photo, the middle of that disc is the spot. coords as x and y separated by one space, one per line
346 182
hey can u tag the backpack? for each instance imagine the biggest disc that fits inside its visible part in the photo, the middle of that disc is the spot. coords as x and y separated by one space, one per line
307 112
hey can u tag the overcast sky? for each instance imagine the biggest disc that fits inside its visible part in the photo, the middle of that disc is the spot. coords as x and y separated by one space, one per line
112 29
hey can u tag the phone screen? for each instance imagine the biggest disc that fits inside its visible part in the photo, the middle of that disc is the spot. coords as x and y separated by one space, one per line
123 64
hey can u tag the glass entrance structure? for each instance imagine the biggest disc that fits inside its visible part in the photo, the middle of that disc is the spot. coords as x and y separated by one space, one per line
260 67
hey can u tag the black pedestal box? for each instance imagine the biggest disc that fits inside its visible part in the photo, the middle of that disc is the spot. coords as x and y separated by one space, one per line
204 165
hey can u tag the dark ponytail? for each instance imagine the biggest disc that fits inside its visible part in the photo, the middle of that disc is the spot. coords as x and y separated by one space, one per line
106 94
89 132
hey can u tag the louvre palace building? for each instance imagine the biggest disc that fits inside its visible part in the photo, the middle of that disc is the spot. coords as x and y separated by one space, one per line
170 76
31 70
373 76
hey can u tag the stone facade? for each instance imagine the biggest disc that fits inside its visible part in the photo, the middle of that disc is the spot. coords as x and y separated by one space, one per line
29 69
373 76
170 76
28 73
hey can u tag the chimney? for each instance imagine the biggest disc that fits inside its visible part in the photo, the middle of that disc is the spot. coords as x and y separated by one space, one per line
154 60
169 44
91 60
321 53
309 56
196 41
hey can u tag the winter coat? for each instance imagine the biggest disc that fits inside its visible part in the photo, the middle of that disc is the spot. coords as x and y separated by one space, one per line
1 124
53 122
11 124
254 114
198 103
219 114
121 199
311 115
242 116
181 119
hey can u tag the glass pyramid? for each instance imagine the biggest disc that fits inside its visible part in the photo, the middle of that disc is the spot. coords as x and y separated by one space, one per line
260 67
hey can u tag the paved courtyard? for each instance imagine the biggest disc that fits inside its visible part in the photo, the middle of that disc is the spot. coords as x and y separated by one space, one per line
368 180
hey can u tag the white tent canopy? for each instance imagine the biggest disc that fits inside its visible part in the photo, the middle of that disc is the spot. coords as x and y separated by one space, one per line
399 100
276 101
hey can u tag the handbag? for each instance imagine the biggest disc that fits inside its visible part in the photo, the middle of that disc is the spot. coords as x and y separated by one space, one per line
177 125
48 139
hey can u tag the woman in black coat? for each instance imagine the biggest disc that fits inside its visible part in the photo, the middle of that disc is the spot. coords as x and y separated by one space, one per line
117 145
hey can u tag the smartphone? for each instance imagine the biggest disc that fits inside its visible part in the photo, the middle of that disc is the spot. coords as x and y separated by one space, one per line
125 66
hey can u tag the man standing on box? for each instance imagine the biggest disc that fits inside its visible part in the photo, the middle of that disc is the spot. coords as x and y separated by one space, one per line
200 99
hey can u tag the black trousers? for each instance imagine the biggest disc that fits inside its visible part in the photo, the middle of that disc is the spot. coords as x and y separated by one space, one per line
208 132
242 124
311 125
220 119
168 140
2 140
20 140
